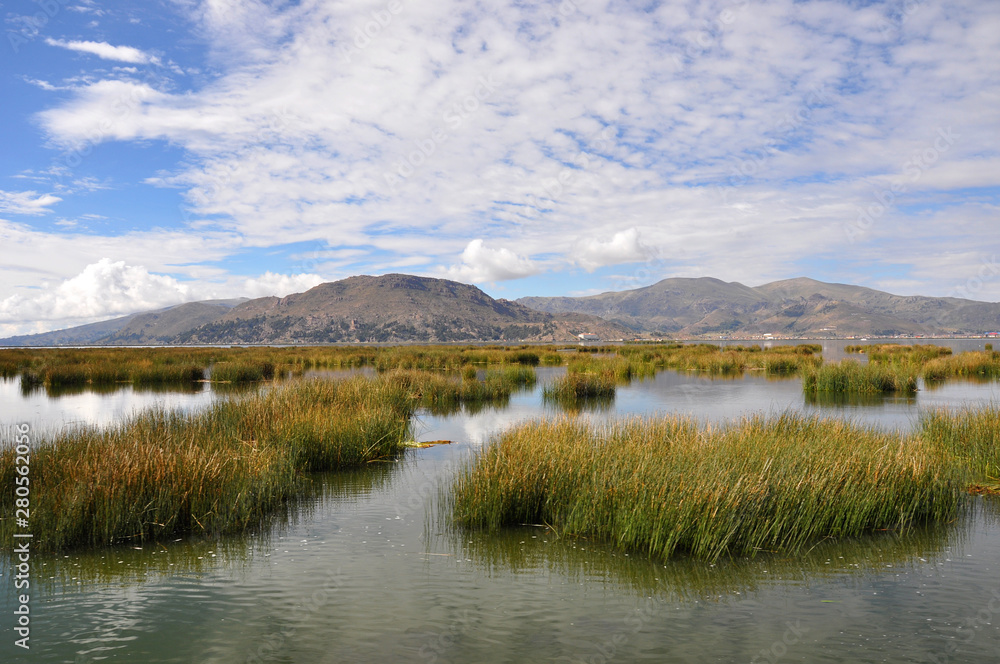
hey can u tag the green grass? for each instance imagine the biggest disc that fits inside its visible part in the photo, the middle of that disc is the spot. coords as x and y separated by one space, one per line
853 377
732 360
970 435
222 470
59 368
914 353
972 364
666 486
575 385
242 372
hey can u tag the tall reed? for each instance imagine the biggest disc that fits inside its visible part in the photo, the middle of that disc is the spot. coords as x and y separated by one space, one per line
971 435
221 470
664 486
854 377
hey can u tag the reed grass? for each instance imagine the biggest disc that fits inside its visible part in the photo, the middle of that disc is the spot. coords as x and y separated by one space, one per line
666 486
854 377
221 470
732 360
972 364
573 386
242 372
65 367
971 435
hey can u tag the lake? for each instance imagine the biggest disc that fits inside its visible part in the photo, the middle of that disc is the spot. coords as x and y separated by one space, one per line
367 568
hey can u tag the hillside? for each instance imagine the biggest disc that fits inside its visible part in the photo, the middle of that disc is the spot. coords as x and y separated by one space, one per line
391 308
794 307
151 327
399 308
394 308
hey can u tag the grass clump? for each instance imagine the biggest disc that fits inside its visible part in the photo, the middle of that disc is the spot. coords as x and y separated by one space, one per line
972 364
242 372
852 377
665 486
579 385
222 470
970 435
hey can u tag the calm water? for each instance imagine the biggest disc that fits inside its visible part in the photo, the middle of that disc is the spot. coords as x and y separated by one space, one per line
365 572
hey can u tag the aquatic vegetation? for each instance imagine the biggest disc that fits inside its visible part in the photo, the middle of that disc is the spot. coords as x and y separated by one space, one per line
972 364
731 360
242 372
580 385
857 378
222 470
888 353
665 486
971 435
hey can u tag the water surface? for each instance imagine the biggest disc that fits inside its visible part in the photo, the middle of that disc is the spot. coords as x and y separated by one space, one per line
366 570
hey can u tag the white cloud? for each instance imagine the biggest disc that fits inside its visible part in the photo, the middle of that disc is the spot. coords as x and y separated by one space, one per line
107 289
742 151
105 51
270 283
103 289
26 202
625 247
482 264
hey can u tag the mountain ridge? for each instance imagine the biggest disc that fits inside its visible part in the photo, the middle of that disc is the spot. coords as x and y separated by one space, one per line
792 307
401 308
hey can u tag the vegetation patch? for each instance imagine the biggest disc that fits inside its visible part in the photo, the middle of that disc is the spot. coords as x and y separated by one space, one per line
222 470
853 377
666 486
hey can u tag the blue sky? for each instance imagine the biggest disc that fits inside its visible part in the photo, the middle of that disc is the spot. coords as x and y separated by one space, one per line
161 152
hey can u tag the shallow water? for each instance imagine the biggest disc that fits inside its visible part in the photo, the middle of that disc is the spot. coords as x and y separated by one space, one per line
367 571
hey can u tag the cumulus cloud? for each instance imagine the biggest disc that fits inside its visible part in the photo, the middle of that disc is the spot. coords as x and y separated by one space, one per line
105 51
109 288
104 288
26 202
624 247
483 264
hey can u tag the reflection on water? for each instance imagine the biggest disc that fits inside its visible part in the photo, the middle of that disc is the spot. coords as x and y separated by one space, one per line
362 570
852 400
531 550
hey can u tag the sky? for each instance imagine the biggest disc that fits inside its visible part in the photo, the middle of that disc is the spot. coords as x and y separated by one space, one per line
162 151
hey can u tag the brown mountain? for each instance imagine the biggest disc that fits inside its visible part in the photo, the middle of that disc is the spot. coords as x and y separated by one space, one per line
151 327
793 307
391 308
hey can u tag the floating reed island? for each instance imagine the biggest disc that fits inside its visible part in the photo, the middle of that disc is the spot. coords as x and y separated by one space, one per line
897 368
666 486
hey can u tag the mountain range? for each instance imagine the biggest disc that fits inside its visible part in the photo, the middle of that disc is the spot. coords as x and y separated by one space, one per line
391 308
397 308
793 307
